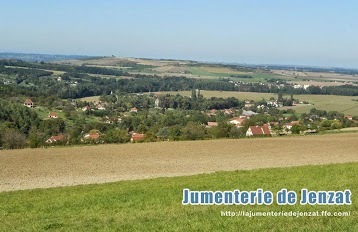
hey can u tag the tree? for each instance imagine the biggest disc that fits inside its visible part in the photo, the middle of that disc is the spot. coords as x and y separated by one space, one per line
13 139
296 129
116 136
36 138
163 133
193 131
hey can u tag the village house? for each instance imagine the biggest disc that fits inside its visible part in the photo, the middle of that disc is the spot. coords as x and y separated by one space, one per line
348 117
289 126
133 110
275 123
212 112
136 137
249 104
258 131
55 138
29 103
86 108
248 113
211 124
53 115
237 121
92 135
228 111
273 103
100 107
157 100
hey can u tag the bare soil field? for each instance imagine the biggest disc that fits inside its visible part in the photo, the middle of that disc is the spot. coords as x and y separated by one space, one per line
64 166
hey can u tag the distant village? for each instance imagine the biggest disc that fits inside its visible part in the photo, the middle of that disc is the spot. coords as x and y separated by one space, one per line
239 118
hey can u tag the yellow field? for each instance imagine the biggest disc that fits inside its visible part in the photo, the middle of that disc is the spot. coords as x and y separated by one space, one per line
318 76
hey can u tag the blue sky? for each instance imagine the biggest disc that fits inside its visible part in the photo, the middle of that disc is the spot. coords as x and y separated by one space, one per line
323 33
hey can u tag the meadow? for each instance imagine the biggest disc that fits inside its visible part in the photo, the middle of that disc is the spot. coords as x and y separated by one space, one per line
342 104
155 204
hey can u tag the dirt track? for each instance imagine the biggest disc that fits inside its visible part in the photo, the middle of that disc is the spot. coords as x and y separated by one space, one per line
53 167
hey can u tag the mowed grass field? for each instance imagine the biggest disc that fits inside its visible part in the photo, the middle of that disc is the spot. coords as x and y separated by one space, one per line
90 99
155 204
342 104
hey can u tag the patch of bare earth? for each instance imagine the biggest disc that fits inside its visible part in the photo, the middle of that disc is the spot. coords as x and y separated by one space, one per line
53 167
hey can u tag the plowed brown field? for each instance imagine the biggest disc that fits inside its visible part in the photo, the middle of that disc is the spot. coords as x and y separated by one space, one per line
63 166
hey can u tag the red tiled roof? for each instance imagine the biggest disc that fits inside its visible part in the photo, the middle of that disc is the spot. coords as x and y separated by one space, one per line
137 137
52 114
54 138
92 136
28 102
293 123
260 130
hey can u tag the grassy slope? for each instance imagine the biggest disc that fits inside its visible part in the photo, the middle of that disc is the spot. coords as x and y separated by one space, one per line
155 204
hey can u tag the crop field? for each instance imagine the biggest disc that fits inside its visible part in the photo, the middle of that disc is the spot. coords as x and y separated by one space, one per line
61 166
155 204
318 76
342 104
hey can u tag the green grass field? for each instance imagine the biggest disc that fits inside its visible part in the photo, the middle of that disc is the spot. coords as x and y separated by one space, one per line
155 204
342 104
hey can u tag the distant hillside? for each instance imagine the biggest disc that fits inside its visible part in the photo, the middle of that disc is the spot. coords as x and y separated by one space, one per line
40 57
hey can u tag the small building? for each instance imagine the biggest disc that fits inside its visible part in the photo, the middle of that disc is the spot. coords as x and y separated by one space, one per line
249 103
157 100
258 131
291 124
228 111
249 113
29 103
55 138
136 137
86 108
93 135
348 117
211 124
100 107
134 110
237 121
53 115
212 112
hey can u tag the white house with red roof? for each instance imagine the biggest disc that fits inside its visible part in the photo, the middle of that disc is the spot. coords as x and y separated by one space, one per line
55 138
289 126
136 137
238 121
53 115
29 103
211 124
134 110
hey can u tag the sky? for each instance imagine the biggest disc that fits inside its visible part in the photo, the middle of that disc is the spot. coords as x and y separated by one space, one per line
305 32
